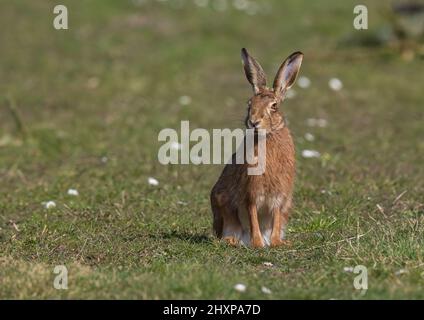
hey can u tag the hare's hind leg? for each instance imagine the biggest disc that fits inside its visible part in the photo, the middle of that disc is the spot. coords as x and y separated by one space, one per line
232 230
218 220
226 223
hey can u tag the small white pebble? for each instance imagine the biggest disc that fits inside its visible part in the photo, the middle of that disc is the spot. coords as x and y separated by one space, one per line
348 269
266 290
50 204
268 264
152 181
335 84
240 287
182 203
303 82
309 137
73 192
185 100
104 159
310 154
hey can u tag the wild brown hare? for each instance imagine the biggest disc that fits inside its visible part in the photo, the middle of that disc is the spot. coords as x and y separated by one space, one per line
253 210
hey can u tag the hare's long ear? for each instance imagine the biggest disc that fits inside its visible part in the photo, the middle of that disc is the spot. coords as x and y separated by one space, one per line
254 72
286 75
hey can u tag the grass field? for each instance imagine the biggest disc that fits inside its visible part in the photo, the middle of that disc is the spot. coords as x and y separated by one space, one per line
82 109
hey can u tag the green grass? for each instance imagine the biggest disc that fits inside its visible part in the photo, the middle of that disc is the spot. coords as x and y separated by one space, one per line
109 84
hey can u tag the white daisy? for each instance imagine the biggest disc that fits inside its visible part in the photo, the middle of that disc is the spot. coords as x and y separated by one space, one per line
335 84
266 290
240 287
152 181
49 204
73 192
310 154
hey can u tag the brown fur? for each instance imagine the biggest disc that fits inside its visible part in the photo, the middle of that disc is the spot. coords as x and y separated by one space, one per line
238 198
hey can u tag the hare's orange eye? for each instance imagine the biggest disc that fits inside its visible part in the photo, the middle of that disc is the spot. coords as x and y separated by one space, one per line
274 106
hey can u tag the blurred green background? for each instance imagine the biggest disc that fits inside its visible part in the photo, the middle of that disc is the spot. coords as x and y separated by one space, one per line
81 109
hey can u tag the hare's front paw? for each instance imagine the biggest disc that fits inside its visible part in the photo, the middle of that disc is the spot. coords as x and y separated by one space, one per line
257 243
279 243
232 241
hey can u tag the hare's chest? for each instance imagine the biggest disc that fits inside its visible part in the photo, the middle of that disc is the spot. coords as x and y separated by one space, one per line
268 202
265 204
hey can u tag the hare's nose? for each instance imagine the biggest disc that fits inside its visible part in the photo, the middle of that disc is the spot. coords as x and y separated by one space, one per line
254 123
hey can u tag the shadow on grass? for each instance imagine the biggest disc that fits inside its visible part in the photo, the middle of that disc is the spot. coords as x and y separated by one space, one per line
196 238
